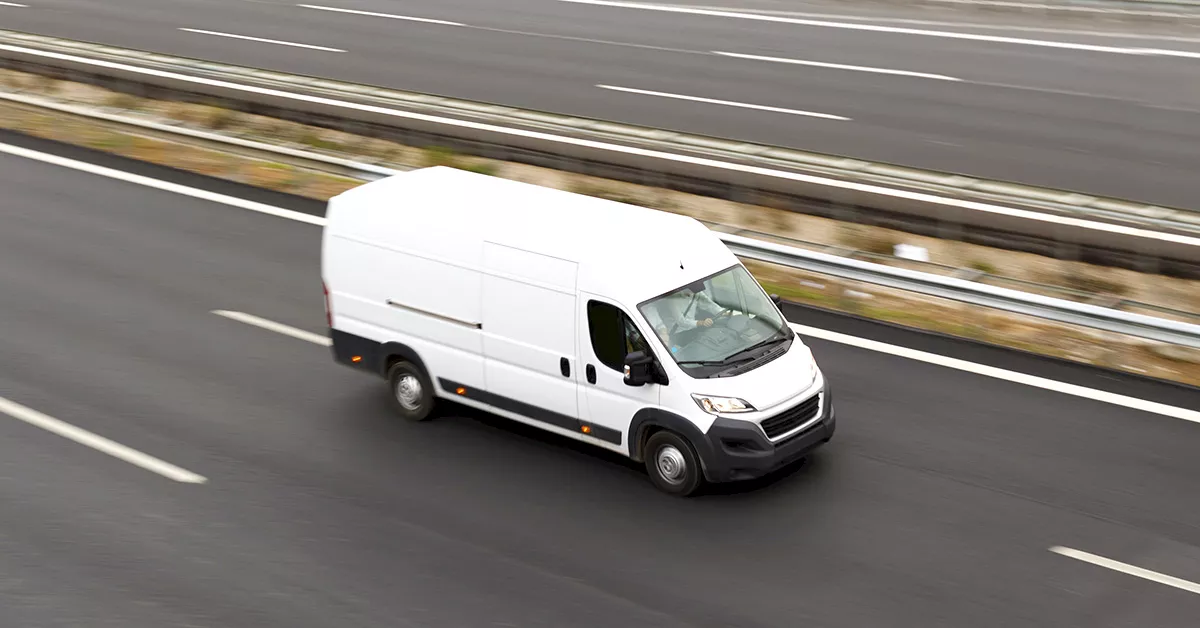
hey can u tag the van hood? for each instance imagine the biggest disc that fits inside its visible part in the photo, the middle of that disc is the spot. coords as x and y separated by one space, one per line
769 385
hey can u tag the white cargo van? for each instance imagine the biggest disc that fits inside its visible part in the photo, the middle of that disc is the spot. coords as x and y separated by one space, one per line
629 328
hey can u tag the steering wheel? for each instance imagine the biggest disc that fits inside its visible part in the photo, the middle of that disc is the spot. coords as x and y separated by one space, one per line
726 313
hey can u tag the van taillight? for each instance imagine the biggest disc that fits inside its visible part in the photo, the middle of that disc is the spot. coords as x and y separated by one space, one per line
328 309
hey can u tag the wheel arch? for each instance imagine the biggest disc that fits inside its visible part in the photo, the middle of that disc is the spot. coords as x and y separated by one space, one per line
647 421
392 352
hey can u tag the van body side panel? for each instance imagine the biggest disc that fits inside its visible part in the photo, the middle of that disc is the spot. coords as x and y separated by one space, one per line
529 330
387 295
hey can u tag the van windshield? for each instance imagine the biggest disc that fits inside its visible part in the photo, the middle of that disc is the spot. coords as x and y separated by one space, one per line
717 323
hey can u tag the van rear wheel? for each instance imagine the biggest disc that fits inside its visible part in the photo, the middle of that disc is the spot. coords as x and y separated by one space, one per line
673 464
412 393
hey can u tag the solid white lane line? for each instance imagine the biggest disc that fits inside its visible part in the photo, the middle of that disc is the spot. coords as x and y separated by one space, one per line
871 345
389 16
99 443
1187 54
1015 377
14 4
1065 45
1145 574
1098 10
261 40
165 186
838 66
867 188
727 103
278 328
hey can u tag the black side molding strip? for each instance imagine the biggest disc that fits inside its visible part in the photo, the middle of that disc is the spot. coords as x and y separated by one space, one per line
535 413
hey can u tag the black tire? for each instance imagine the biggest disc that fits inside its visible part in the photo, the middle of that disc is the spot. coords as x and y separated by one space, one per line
415 400
676 450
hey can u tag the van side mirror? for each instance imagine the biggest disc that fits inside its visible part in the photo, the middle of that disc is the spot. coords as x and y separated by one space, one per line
639 369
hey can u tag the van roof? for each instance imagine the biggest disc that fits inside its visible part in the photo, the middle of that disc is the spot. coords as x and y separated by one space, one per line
625 252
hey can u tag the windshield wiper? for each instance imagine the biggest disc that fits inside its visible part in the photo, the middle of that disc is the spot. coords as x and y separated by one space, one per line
701 363
730 359
758 345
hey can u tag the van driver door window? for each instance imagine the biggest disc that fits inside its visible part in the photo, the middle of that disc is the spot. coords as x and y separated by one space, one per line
612 335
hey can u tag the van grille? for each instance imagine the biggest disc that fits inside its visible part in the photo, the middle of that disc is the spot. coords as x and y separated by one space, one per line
792 418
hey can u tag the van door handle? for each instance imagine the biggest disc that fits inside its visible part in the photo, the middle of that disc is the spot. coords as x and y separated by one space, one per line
591 374
564 365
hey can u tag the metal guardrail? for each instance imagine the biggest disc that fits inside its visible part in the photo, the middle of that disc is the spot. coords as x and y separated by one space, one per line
202 139
1047 222
970 292
929 284
1063 293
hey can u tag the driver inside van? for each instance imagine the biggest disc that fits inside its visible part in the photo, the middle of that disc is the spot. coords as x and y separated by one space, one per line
680 311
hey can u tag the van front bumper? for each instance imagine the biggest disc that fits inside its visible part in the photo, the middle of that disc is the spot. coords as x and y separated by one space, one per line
738 450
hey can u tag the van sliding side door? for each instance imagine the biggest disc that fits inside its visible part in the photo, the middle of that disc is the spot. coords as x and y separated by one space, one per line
529 306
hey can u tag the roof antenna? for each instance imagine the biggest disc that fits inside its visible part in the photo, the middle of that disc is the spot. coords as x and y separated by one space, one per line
681 265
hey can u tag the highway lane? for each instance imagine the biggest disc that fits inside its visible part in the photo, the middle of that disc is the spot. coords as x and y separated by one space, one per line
934 506
1106 123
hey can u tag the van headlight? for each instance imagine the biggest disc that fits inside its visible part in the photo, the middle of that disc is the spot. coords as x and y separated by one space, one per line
814 368
722 405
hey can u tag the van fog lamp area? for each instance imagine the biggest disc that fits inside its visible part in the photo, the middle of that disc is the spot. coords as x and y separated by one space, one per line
722 405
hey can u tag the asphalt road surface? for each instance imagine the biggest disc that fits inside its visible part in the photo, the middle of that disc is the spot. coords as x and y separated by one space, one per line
937 503
1036 104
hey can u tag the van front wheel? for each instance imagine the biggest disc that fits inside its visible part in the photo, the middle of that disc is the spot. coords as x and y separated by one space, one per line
412 393
672 464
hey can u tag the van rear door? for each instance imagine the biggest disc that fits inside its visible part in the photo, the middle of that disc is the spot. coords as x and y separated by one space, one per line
529 314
